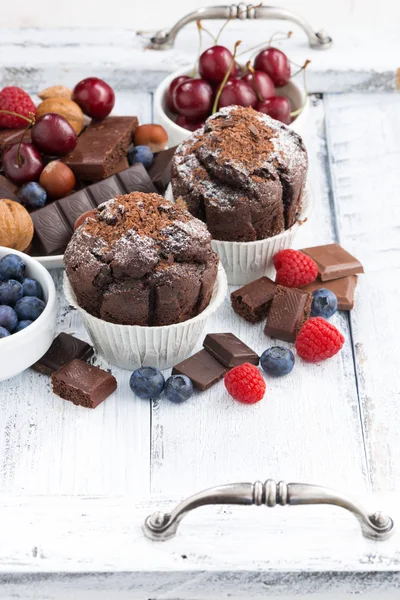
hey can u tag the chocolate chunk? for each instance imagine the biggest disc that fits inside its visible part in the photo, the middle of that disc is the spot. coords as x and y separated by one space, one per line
8 190
289 309
202 368
54 223
83 384
229 350
100 147
253 301
334 261
52 231
160 170
344 289
63 350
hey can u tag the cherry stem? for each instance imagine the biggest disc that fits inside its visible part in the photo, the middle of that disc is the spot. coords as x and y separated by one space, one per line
230 19
256 88
199 23
284 36
14 114
199 29
296 113
262 44
225 79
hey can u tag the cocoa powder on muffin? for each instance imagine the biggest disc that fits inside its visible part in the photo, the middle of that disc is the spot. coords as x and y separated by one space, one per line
142 261
243 174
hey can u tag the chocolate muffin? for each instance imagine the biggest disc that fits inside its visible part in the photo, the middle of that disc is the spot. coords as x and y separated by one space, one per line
243 174
142 260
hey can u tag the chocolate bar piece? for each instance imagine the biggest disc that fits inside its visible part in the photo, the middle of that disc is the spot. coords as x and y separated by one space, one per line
8 137
160 170
83 384
202 369
253 301
54 223
344 289
7 189
229 350
289 309
334 261
63 350
100 147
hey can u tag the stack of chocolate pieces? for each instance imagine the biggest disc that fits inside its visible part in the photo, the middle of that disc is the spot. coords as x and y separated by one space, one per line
72 377
222 352
286 309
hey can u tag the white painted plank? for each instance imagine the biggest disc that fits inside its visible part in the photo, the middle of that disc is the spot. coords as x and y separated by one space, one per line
364 149
37 58
307 427
49 446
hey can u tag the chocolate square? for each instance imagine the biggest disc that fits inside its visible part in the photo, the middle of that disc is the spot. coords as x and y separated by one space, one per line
160 169
252 301
83 384
290 308
202 369
63 350
334 261
136 179
52 230
344 289
229 350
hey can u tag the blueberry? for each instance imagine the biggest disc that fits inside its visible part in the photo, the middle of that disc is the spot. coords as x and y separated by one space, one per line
32 194
10 292
277 361
29 308
31 287
147 382
324 303
140 154
178 388
4 332
22 325
12 267
8 318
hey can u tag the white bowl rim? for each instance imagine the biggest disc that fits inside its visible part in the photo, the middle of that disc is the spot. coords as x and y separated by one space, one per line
51 291
164 84
220 281
306 210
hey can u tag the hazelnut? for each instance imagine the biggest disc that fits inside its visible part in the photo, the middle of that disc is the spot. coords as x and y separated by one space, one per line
57 179
56 91
16 226
86 215
64 107
153 136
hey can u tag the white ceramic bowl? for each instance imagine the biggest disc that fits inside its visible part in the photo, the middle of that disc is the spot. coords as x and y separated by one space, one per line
131 346
246 261
20 350
177 134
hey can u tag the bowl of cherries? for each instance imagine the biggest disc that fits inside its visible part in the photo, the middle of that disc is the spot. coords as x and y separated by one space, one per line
185 99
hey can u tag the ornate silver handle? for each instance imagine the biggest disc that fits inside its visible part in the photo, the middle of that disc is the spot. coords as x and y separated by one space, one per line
164 39
162 526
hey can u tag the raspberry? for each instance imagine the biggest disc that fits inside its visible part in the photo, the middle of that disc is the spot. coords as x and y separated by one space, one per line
318 340
294 268
245 384
15 100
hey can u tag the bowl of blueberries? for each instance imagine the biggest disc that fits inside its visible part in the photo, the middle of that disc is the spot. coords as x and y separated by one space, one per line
27 312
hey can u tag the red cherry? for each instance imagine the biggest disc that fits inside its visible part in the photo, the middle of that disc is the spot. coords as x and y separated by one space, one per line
193 98
263 83
237 92
172 87
189 125
215 62
23 166
277 107
53 135
275 64
95 97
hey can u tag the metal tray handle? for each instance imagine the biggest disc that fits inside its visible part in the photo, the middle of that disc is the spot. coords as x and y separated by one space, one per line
162 526
164 39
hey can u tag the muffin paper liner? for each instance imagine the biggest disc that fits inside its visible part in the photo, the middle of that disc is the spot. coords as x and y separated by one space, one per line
131 346
246 261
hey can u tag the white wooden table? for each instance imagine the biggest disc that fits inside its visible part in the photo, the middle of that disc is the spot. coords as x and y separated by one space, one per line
76 485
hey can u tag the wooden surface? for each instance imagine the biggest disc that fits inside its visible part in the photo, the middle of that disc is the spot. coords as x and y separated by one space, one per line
332 424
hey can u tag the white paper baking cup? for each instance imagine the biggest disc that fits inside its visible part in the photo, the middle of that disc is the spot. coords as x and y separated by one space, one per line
246 261
131 346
